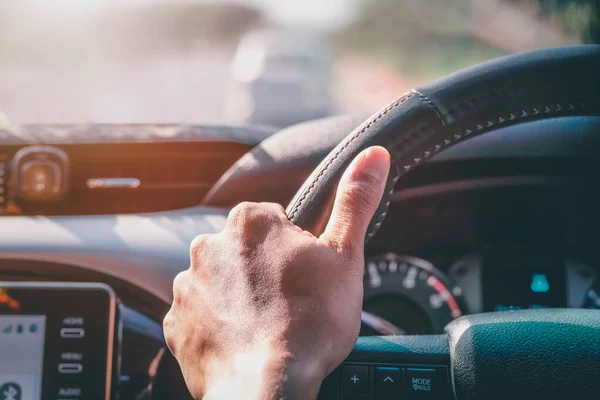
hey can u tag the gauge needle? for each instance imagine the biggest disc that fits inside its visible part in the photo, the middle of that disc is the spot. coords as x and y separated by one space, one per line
381 325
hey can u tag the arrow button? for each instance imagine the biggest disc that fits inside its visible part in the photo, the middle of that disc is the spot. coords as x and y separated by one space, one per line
388 383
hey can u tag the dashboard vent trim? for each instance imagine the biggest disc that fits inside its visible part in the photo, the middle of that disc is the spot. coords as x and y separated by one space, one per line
137 178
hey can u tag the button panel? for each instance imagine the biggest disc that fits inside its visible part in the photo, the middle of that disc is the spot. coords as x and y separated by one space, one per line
382 381
71 359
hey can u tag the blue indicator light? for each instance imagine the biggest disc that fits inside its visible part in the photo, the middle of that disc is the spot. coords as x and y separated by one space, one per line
539 283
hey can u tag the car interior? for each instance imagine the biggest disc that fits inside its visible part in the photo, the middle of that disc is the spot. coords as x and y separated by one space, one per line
482 273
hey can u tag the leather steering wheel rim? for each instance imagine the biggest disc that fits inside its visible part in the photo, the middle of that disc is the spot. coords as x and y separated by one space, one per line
510 90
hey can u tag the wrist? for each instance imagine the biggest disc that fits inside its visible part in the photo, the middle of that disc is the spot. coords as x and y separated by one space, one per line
301 380
266 376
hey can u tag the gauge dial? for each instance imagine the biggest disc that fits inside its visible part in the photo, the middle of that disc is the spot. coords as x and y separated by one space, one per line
407 295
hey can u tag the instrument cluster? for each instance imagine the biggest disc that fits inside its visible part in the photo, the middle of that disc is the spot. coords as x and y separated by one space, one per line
410 295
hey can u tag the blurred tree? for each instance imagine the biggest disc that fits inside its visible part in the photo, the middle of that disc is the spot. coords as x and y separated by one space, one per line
419 37
432 37
581 16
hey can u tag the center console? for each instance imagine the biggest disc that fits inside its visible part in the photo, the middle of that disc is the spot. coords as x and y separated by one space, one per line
58 341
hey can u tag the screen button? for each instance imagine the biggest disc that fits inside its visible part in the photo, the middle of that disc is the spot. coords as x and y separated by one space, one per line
72 333
422 383
70 368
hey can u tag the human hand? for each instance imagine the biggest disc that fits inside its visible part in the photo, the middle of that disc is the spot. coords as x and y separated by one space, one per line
267 310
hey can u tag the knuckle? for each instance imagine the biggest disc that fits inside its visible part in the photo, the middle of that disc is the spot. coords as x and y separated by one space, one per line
179 279
179 284
198 246
243 212
246 220
168 322
168 328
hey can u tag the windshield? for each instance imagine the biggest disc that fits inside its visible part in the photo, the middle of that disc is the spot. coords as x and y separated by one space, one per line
267 62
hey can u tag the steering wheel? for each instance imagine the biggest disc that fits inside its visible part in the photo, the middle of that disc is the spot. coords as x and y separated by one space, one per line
545 354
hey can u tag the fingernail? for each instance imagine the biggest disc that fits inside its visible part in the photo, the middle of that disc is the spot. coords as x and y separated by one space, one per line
376 162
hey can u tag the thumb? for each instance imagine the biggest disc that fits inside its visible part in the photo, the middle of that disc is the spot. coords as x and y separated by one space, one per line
358 195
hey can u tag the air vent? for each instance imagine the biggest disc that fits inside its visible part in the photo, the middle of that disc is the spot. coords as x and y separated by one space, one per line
168 176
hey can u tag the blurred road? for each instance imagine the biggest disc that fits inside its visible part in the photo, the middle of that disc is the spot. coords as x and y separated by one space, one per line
186 89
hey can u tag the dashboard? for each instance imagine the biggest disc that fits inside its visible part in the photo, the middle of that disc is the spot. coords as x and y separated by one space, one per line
500 223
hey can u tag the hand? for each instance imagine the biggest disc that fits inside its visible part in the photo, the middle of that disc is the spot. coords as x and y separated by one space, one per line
267 310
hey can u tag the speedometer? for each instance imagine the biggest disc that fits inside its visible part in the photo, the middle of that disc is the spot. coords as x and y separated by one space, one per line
407 295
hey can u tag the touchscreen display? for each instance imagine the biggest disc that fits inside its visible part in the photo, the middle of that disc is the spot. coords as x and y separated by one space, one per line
22 354
57 341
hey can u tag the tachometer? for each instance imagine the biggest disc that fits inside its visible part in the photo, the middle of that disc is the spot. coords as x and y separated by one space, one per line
407 295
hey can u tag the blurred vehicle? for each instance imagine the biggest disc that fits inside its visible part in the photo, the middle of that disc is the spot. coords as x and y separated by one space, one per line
280 77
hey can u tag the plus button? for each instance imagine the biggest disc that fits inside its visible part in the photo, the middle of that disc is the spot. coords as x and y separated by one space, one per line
354 378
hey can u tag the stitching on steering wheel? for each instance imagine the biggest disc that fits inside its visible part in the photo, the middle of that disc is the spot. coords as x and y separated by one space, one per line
488 124
348 141
378 220
432 105
545 109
